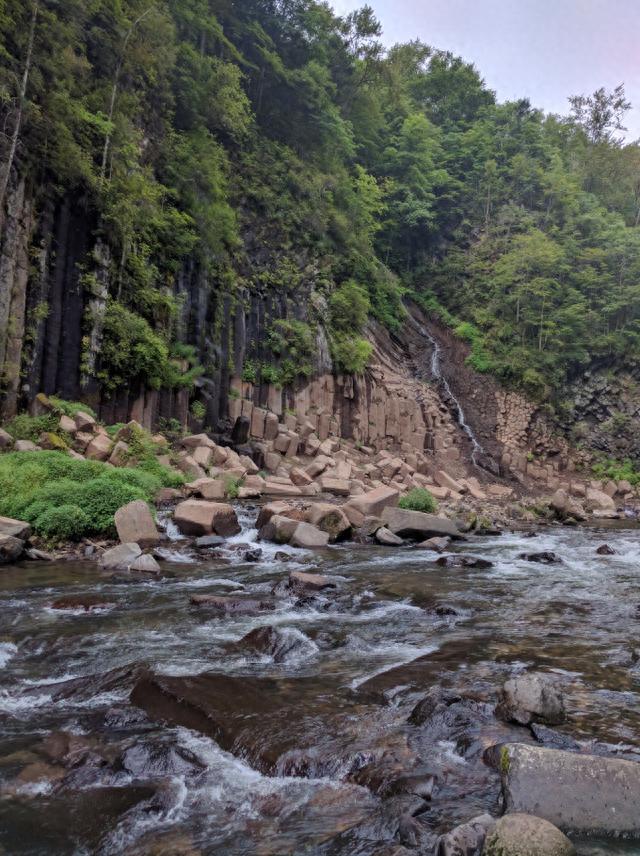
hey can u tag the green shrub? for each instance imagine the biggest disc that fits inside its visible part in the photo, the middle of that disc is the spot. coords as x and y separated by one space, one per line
70 408
64 523
249 372
198 410
419 499
25 427
34 483
232 487
349 306
350 354
608 468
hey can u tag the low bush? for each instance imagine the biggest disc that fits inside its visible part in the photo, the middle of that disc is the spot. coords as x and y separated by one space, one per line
419 499
35 484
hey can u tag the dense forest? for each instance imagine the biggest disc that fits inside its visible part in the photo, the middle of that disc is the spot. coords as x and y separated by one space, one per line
272 145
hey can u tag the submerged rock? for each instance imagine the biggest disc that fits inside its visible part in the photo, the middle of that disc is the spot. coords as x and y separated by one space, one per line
526 835
437 545
545 557
231 605
280 644
456 561
605 550
301 581
531 698
146 564
585 793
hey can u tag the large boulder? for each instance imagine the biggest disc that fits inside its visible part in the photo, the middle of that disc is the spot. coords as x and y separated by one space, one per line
6 440
417 525
135 524
16 528
99 448
196 517
308 537
525 835
386 538
531 698
598 500
120 558
10 549
278 529
566 506
373 503
584 793
330 519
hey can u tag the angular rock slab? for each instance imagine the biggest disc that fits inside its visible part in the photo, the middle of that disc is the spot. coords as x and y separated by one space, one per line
531 698
135 524
417 524
581 793
201 517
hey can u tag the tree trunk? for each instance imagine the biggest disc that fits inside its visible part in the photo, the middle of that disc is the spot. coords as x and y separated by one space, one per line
22 98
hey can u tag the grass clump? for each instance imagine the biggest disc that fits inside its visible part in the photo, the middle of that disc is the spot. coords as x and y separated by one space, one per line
609 468
34 485
419 499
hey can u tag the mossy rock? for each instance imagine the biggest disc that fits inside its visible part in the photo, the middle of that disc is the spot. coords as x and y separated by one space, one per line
526 835
53 442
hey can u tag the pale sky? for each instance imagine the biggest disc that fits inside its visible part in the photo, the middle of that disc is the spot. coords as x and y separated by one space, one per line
544 50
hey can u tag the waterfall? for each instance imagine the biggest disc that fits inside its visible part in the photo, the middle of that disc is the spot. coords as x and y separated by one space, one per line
436 372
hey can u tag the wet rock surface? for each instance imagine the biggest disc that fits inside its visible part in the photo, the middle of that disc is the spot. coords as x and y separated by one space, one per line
526 835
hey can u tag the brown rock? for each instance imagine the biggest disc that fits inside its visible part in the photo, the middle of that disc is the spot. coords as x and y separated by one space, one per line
339 487
10 549
67 424
274 488
279 529
85 422
386 538
309 582
330 519
374 502
146 564
300 478
203 456
6 440
120 557
25 446
195 440
308 537
119 456
213 489
231 605
16 528
135 524
99 448
195 517
445 480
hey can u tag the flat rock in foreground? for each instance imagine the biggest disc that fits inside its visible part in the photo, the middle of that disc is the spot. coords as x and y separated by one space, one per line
583 793
417 524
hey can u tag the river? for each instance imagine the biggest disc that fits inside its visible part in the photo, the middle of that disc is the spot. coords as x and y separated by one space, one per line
360 657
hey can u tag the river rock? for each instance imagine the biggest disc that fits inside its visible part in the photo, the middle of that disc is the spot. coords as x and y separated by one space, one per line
84 602
279 529
16 528
605 550
526 835
437 545
120 558
309 582
10 549
456 561
146 564
282 644
598 500
135 524
468 839
531 698
545 557
252 555
309 537
231 605
388 539
330 519
565 506
586 793
206 541
200 517
417 524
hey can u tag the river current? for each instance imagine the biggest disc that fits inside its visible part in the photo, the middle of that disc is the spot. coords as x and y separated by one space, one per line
360 657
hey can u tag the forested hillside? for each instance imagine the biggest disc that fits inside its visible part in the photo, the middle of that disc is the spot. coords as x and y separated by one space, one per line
271 147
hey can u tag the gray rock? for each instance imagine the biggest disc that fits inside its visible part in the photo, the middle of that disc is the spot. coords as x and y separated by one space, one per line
585 793
26 446
525 835
16 528
135 524
436 545
531 698
467 839
308 537
10 549
120 558
417 525
387 538
209 541
147 564
6 440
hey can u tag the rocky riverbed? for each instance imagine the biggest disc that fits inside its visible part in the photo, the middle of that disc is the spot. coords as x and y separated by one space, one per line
346 705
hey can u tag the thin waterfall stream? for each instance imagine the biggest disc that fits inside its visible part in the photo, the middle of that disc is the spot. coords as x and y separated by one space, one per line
436 372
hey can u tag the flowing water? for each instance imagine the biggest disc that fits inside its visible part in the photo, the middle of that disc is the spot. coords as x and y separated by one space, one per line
436 372
333 723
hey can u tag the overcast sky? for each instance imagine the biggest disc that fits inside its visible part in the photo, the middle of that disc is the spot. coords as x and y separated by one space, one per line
544 50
